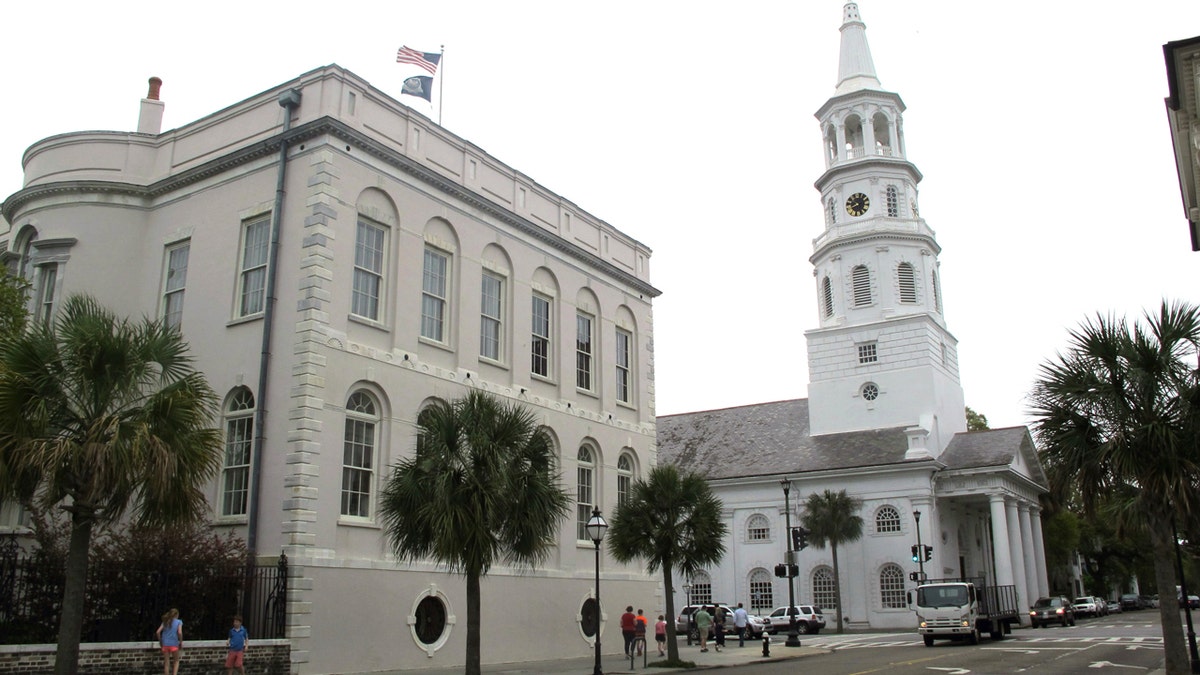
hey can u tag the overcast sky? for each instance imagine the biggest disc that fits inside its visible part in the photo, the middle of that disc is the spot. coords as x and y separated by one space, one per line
1039 127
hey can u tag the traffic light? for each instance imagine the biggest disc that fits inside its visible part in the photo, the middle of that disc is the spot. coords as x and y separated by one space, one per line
781 571
793 571
799 538
928 553
916 553
913 576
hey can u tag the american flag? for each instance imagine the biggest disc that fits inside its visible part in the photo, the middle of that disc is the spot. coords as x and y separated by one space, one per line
426 60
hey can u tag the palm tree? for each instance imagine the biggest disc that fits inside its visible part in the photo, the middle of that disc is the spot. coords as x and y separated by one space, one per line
832 518
1118 413
673 521
97 415
481 488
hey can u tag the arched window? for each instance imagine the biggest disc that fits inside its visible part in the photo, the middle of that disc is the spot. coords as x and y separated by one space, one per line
906 278
827 297
891 587
762 590
824 591
893 202
358 455
701 589
624 477
239 439
758 528
584 501
887 519
860 276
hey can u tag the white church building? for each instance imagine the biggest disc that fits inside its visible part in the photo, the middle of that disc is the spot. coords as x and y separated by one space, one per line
884 419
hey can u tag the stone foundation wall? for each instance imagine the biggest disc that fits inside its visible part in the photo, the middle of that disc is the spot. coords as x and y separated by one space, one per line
200 657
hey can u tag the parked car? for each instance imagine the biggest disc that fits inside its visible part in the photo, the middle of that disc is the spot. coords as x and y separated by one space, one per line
1150 601
1114 606
1102 606
1131 601
1194 601
1056 609
809 619
755 624
1086 606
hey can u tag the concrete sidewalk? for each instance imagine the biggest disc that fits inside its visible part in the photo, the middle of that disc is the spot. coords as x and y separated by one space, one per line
616 664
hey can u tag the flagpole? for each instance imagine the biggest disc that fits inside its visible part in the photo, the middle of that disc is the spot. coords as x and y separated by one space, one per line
441 83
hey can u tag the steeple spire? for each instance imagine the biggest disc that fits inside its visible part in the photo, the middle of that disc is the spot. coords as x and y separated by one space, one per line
856 70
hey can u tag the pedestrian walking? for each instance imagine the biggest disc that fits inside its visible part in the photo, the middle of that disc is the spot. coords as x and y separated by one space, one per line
170 638
639 631
741 621
719 618
628 627
660 635
703 624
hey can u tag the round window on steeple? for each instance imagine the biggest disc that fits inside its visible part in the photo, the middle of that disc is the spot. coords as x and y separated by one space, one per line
870 391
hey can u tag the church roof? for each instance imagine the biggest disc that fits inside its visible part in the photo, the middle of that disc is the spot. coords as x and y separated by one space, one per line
977 449
769 438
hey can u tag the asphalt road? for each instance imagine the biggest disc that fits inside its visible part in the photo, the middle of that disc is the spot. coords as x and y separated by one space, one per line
1125 644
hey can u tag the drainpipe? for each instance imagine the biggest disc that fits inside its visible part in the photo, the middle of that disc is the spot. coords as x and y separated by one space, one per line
289 101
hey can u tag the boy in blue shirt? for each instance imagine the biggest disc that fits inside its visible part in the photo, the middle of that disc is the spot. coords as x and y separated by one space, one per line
236 644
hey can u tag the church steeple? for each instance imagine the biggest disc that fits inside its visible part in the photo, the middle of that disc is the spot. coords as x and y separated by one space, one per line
881 356
856 70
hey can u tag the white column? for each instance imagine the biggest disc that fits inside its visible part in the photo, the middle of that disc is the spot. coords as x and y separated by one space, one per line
1027 545
840 132
1016 554
868 136
1000 548
1039 552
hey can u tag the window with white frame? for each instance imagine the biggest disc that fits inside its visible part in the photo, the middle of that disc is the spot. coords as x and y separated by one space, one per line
887 519
762 590
370 244
47 281
539 349
906 279
491 322
624 477
893 202
758 528
252 278
583 351
239 440
435 285
860 277
624 365
868 352
827 297
358 455
824 590
174 283
891 587
13 515
702 589
869 391
585 474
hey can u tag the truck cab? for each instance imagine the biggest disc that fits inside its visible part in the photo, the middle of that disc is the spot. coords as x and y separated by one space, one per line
962 610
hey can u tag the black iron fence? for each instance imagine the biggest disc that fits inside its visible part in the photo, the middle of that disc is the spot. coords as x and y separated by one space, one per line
125 604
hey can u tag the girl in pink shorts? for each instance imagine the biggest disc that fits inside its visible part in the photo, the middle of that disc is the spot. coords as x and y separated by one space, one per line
170 636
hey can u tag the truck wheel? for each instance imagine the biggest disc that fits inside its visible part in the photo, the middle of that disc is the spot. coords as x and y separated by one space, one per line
1033 624
928 641
973 638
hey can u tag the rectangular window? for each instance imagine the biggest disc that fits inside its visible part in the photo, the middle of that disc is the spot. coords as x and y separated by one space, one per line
491 307
583 503
13 515
624 356
235 478
357 471
173 285
867 353
434 286
47 280
583 352
253 279
540 337
368 270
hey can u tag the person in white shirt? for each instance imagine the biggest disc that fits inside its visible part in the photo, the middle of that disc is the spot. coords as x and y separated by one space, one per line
742 621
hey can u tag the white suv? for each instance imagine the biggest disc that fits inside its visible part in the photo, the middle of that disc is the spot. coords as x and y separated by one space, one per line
808 619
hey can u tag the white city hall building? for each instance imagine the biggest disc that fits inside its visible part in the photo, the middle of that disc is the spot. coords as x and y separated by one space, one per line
884 419
337 261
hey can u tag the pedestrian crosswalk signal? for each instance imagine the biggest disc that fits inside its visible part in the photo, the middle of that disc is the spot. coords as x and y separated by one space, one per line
916 553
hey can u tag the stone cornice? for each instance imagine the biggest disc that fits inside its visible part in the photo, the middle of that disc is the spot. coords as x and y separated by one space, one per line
336 128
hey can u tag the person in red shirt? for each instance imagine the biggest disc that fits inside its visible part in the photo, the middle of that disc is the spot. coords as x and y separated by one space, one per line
628 627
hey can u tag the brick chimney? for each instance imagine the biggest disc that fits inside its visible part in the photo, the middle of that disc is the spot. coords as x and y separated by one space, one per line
150 120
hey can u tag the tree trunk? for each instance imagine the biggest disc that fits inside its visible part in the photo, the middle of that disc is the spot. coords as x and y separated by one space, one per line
837 588
1162 539
672 645
70 624
473 662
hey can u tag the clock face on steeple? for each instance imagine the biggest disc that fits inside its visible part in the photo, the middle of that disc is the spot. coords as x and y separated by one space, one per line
857 204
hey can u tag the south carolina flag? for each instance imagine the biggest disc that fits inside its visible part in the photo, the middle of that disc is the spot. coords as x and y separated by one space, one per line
419 85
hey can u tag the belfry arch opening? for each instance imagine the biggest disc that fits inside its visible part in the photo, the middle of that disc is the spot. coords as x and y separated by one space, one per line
883 135
854 136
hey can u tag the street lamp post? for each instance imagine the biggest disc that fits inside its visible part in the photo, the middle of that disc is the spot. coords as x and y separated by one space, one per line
793 638
687 591
596 527
920 548
1194 657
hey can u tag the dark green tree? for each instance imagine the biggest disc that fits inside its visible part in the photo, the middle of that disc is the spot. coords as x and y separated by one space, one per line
672 520
482 488
1118 413
832 518
100 415
14 296
976 421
